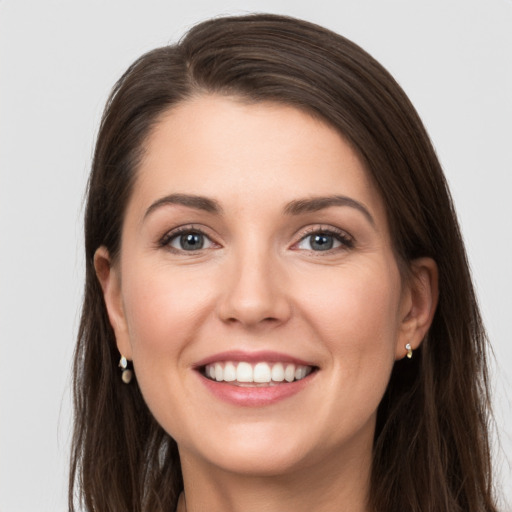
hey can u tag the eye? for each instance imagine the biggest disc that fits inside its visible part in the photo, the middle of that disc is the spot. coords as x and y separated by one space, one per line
187 240
324 241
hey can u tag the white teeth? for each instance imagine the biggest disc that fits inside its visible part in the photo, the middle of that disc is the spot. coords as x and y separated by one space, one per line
219 372
289 372
229 372
278 372
260 373
300 373
244 372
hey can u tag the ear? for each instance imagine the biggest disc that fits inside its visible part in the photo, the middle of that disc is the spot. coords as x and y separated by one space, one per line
110 281
418 304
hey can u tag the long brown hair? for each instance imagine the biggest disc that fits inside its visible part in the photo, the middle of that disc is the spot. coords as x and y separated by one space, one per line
431 448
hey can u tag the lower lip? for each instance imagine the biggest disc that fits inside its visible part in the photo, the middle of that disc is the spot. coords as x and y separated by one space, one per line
248 396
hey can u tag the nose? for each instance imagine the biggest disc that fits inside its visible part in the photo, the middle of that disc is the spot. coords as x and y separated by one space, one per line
254 293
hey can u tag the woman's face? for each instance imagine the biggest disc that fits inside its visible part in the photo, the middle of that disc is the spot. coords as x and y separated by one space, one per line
255 247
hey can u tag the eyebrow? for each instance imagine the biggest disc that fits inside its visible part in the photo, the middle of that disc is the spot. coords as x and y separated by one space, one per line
296 207
191 201
315 204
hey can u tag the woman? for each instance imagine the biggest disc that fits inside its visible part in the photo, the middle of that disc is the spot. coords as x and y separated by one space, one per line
278 311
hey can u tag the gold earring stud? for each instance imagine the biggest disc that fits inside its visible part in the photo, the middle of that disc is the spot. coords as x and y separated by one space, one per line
409 350
126 374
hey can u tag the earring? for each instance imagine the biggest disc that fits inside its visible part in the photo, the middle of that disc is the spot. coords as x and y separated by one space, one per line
409 350
126 374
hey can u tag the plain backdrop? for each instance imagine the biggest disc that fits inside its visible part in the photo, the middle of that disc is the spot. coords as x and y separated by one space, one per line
58 61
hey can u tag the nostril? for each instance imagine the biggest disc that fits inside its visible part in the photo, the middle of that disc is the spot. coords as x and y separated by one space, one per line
248 322
253 300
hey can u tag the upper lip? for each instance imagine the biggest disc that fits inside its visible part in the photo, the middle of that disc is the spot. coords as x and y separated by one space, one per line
252 357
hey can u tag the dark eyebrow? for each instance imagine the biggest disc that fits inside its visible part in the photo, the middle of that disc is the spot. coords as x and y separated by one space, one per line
191 201
315 204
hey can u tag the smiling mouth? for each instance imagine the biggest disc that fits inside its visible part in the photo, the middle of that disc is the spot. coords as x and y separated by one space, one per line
260 374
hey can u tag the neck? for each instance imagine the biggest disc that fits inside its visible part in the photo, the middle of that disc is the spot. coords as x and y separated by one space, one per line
322 488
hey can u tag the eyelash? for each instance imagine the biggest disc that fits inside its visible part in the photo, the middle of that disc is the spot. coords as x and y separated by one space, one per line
346 241
166 240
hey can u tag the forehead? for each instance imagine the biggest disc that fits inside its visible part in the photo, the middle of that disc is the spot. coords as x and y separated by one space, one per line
230 149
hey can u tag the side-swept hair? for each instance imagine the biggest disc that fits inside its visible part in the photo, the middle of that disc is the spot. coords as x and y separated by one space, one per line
431 448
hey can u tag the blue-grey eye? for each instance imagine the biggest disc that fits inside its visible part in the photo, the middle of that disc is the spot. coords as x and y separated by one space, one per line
321 241
190 241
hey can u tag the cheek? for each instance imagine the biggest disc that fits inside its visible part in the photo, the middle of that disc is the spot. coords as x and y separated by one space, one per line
356 315
356 319
163 309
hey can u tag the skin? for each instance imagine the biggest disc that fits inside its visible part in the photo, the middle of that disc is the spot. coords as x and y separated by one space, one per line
259 285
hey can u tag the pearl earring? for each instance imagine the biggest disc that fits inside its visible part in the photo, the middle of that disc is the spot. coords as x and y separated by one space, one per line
126 374
409 350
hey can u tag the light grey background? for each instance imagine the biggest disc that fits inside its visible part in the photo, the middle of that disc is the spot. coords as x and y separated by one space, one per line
58 61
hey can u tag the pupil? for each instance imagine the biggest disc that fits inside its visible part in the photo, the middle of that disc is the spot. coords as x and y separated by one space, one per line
322 242
192 241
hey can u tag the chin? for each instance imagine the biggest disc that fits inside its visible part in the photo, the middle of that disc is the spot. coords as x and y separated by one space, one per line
257 450
258 462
